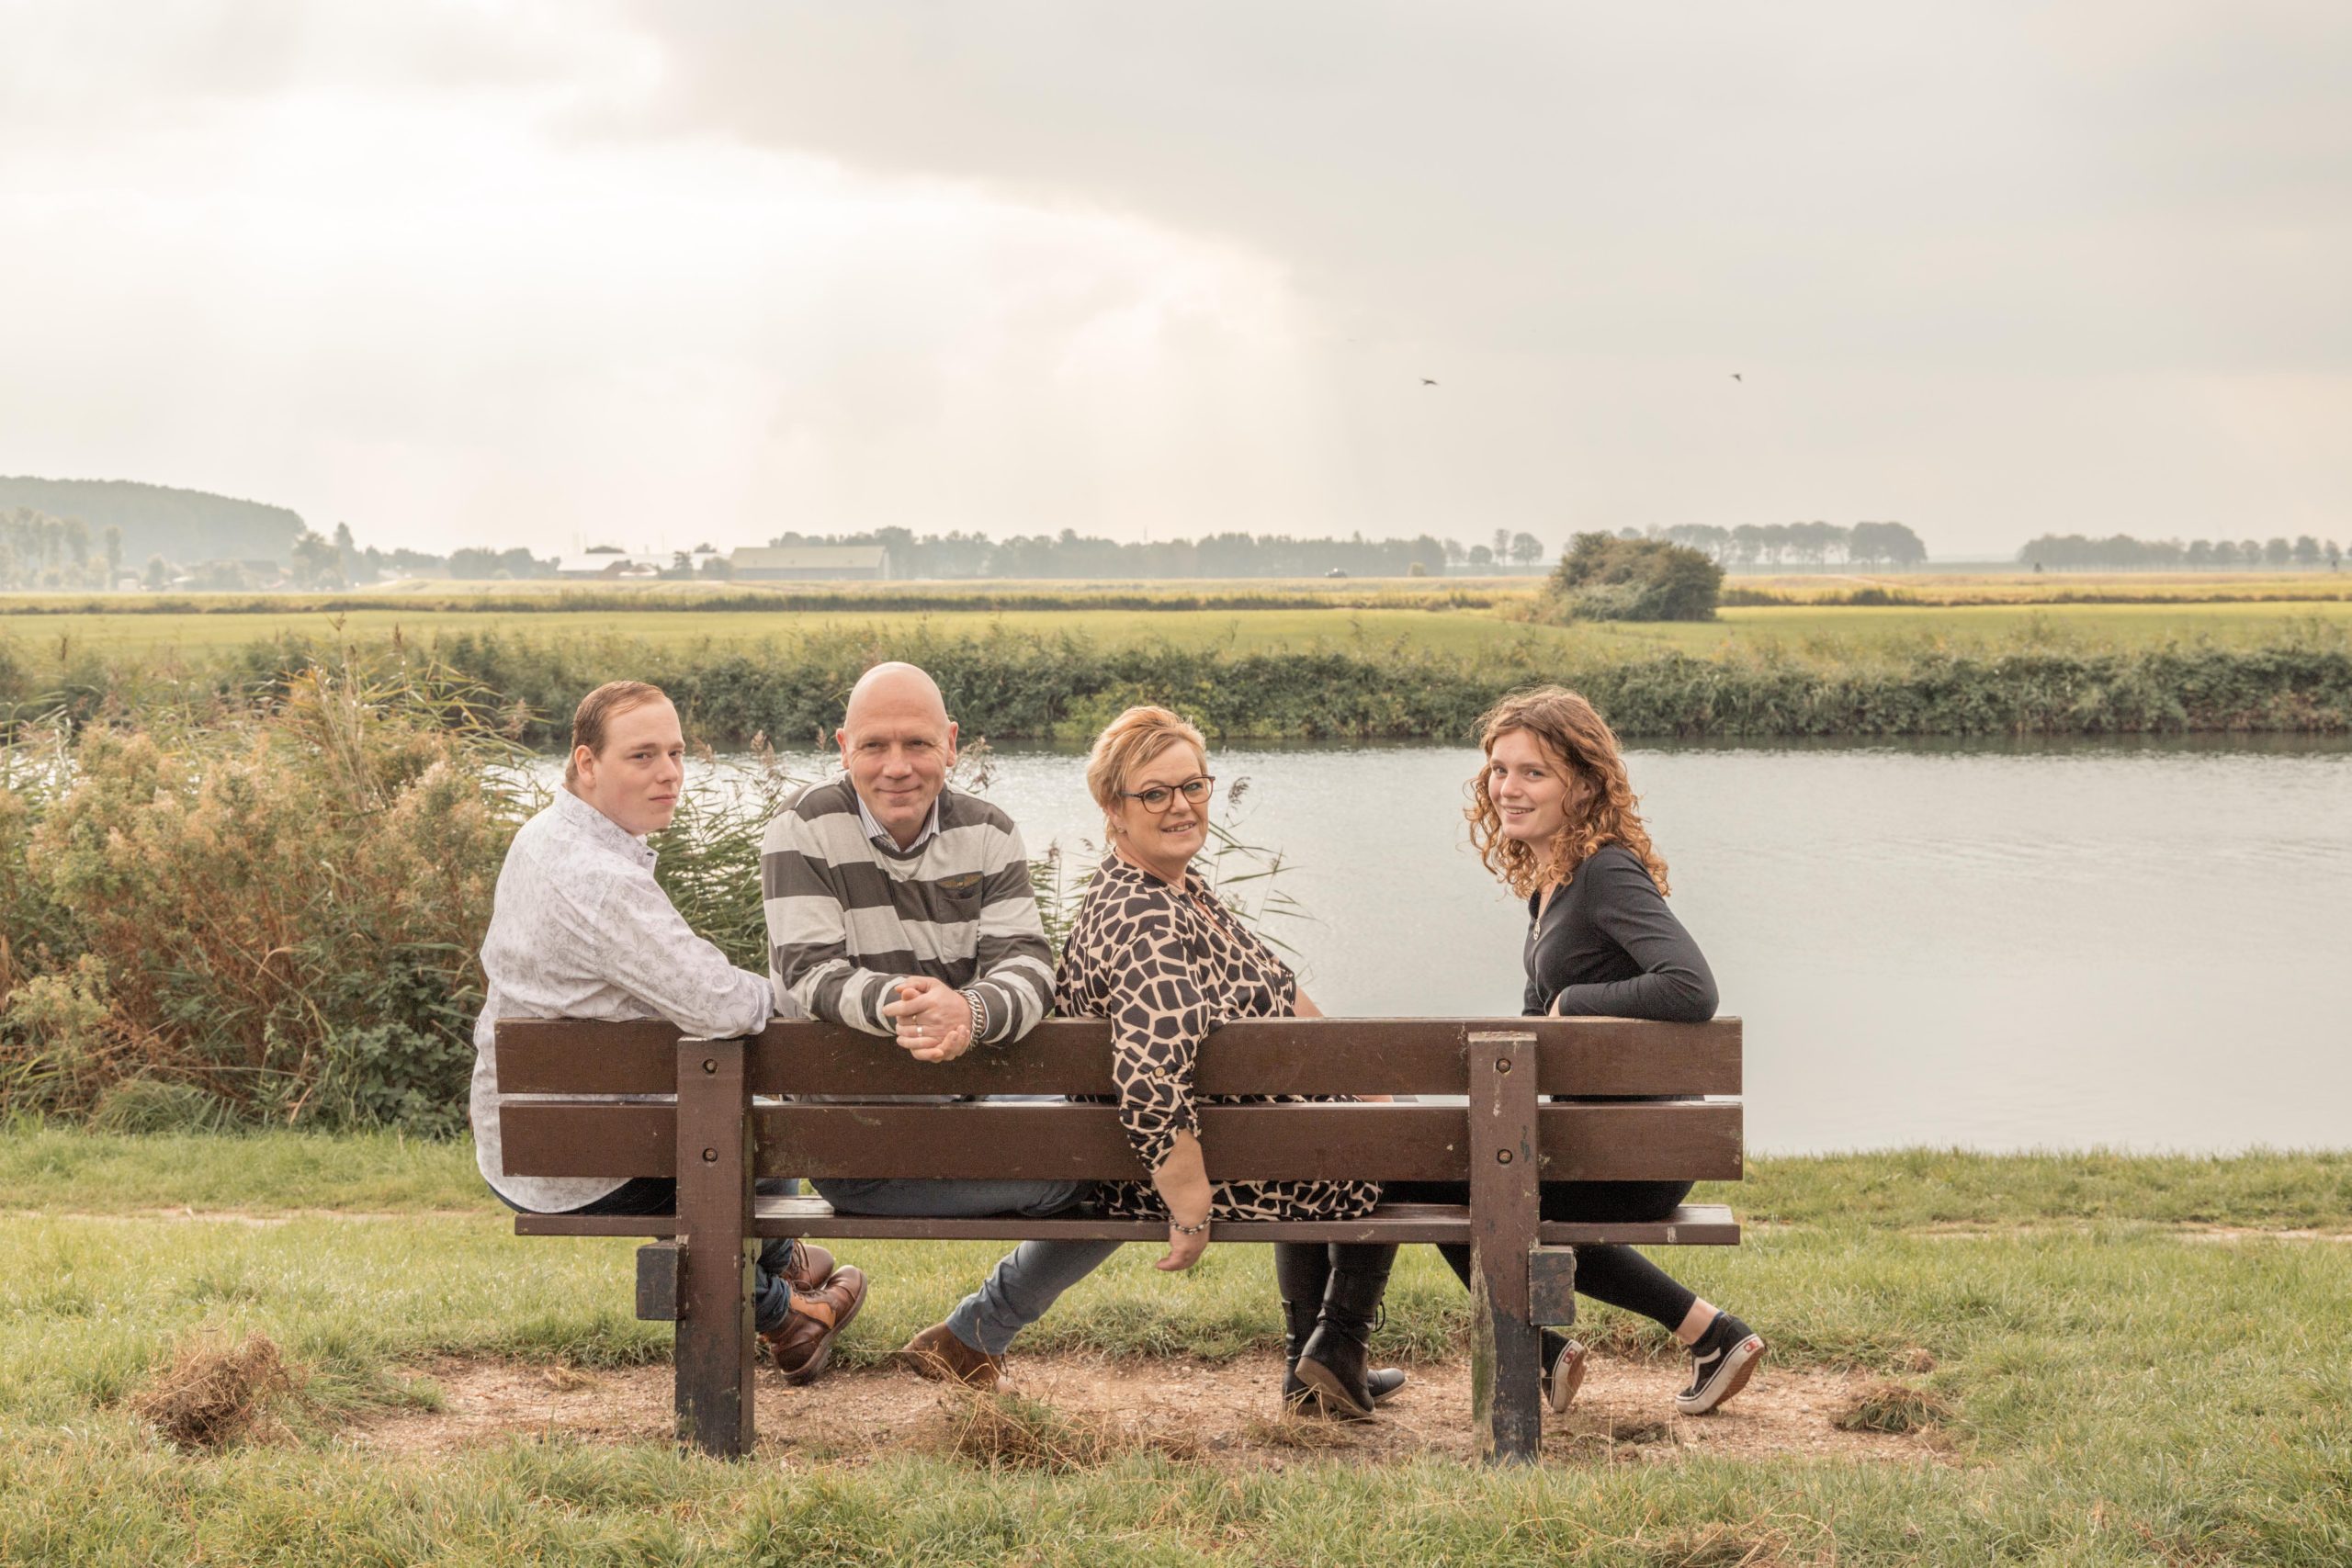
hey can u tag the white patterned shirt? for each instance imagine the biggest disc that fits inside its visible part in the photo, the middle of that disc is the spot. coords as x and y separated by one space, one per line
579 929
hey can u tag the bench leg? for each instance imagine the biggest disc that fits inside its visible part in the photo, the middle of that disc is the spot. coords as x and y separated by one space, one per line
714 1336
1506 1347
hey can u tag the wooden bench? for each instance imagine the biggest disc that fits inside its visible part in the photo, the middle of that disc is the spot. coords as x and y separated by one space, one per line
1556 1098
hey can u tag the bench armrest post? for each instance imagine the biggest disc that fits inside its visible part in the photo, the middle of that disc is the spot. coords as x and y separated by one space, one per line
1506 1347
714 1329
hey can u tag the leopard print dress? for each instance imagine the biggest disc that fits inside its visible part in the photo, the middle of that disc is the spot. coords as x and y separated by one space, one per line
1167 966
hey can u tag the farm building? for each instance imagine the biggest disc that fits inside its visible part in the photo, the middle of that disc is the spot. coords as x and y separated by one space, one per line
810 563
610 564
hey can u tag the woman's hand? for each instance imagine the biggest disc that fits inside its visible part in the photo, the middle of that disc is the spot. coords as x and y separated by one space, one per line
1182 1180
1183 1251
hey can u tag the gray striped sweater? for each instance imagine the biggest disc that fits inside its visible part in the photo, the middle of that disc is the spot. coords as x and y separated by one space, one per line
847 916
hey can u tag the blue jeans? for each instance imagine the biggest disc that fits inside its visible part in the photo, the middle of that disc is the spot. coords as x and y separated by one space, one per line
771 1297
1029 1280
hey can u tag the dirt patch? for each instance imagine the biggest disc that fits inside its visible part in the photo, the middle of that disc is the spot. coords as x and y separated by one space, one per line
1224 1413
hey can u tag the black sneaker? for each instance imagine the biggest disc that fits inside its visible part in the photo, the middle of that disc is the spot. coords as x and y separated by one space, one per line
1563 1376
1721 1364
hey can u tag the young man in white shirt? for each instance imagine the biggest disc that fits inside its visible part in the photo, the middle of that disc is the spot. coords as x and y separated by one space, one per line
580 928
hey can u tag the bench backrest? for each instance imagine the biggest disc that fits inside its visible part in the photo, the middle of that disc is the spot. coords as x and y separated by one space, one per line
1596 1123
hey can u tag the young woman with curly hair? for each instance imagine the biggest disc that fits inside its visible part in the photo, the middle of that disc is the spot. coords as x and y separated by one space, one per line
1553 815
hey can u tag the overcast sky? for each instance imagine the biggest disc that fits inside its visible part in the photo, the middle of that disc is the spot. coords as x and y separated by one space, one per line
582 270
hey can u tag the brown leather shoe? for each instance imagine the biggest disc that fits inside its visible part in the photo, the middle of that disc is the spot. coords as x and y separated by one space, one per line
803 1343
937 1354
812 1267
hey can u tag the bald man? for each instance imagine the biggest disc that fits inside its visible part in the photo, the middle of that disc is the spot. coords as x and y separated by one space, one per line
900 906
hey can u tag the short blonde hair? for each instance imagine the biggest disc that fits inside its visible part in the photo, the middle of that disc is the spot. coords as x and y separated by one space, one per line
597 710
1129 742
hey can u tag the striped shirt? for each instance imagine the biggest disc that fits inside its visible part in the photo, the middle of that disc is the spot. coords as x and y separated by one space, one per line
849 915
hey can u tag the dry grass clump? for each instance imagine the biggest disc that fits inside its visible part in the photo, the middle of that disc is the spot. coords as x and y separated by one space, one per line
213 1393
1890 1406
1009 1431
1307 1434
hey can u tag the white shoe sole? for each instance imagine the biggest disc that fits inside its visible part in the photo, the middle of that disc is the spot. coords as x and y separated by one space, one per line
1738 1365
1566 1377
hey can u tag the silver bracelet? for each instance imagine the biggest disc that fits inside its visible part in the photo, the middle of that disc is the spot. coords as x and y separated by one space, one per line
1188 1230
979 1014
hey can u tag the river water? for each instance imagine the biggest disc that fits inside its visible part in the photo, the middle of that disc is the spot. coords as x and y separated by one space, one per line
2143 946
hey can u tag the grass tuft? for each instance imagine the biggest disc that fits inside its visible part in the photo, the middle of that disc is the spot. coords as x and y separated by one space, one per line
214 1394
1890 1406
1009 1431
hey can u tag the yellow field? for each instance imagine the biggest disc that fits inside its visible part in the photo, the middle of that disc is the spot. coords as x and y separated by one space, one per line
2055 587
1802 628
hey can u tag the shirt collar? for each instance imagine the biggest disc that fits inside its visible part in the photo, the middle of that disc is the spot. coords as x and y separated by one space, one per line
881 835
585 818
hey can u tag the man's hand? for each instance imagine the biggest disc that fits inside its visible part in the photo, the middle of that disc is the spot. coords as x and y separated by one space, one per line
934 1020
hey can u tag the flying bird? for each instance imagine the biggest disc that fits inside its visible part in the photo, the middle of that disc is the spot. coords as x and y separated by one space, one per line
1738 377
1427 382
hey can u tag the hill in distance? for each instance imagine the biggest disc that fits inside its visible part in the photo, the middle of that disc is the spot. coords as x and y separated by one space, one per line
179 524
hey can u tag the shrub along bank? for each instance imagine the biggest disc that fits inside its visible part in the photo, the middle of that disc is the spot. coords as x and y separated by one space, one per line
1020 685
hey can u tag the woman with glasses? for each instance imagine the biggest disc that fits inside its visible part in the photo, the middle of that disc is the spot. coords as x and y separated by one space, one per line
1154 952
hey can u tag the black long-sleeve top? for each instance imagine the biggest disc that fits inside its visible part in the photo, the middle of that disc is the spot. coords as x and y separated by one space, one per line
1608 946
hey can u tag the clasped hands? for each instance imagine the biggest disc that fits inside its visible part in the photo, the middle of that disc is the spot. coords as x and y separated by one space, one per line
934 1020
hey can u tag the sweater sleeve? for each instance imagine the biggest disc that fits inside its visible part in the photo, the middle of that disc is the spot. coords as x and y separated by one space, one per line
1159 1018
1014 972
1674 985
810 965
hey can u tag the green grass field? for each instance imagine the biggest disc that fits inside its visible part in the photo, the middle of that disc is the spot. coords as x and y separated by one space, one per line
2119 1383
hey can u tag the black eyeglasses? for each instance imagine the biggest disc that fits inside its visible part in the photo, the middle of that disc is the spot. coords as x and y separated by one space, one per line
1159 798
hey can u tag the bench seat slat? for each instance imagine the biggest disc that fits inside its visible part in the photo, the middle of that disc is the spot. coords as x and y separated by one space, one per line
1692 1225
1392 1055
1581 1142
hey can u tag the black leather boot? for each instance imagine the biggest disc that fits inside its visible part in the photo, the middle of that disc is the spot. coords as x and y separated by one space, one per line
1303 1271
1331 1363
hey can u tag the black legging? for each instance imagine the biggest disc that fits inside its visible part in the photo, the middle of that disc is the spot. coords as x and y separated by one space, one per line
1611 1273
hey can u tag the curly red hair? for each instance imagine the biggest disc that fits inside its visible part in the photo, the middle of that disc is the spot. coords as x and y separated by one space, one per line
1603 807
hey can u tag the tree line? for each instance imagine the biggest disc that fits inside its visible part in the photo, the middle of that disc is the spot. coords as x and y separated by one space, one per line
1070 554
2122 552
41 551
1798 544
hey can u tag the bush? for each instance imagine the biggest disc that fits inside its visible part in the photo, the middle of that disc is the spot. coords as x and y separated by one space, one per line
272 915
1603 578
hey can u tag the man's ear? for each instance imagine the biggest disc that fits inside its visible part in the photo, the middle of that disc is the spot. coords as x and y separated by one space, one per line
841 738
952 732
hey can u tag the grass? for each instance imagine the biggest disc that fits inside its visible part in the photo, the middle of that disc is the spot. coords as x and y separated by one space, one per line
2114 1391
1837 633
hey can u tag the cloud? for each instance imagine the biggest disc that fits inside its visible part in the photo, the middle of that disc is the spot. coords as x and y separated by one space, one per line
537 271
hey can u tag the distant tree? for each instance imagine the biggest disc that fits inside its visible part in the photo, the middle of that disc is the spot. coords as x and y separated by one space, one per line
2277 552
317 563
2334 554
1502 543
346 553
2199 555
218 577
1601 578
1481 556
2249 553
2306 552
111 540
159 574
1526 550
1884 544
1454 554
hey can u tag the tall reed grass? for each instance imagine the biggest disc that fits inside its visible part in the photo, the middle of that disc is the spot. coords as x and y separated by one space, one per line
267 906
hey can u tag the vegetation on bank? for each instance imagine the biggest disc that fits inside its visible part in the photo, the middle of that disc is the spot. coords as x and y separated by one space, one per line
2016 675
2103 1390
1603 578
